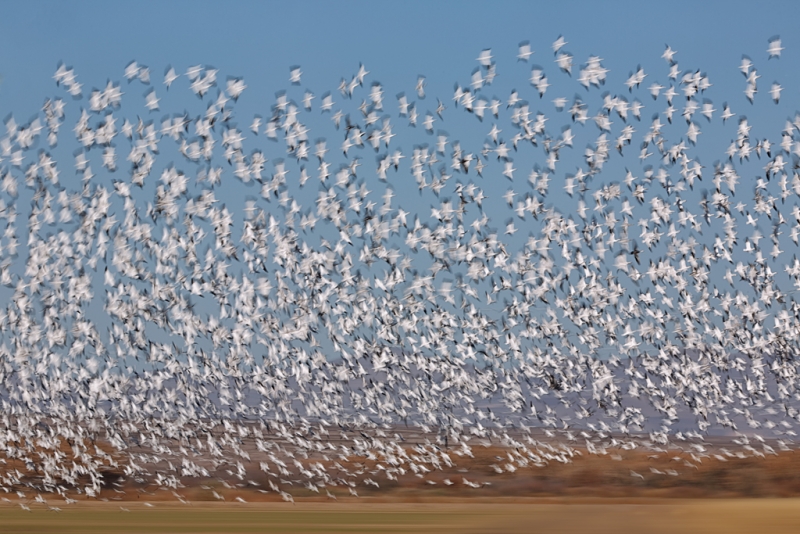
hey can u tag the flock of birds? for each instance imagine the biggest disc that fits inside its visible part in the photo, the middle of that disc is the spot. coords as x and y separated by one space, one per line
628 295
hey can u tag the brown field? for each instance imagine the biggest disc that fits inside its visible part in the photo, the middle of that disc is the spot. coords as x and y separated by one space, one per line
666 474
674 489
618 516
585 476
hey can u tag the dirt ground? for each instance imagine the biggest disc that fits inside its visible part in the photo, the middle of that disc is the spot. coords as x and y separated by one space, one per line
539 487
719 493
565 515
620 474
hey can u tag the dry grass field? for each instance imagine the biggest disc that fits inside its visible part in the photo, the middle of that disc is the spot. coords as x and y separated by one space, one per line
619 474
618 516
674 489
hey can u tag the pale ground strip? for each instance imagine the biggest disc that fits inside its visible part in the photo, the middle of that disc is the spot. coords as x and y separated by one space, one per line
542 515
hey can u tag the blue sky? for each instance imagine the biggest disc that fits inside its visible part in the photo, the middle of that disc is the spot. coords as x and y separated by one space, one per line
397 42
